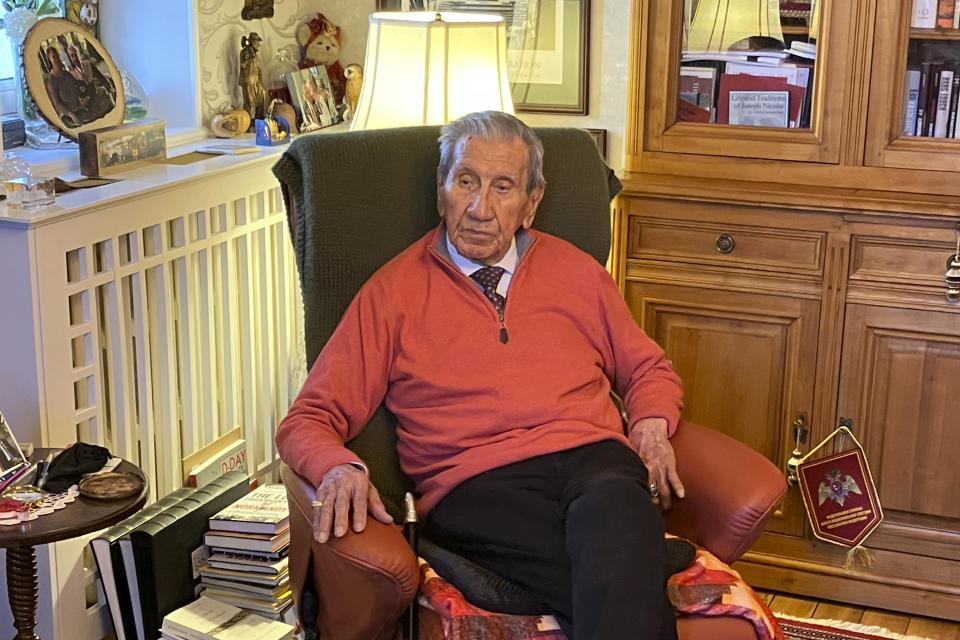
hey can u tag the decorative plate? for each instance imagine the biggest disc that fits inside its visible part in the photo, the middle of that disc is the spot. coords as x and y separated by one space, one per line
111 485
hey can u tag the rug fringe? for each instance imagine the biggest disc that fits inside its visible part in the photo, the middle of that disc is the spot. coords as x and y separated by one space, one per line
852 626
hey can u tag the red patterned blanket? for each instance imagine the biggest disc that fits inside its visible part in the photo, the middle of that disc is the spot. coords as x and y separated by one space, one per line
707 587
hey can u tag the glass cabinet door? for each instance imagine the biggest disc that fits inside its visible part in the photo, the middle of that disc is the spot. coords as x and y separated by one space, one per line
914 87
743 78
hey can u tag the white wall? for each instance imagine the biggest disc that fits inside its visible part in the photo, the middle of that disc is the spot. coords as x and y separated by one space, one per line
220 29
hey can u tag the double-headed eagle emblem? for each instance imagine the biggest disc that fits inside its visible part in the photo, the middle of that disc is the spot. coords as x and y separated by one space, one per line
838 489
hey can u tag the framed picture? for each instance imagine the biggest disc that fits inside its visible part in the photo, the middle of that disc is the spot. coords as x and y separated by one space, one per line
600 139
548 44
71 77
313 98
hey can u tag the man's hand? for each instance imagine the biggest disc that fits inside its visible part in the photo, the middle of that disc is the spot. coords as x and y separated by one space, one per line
344 486
649 440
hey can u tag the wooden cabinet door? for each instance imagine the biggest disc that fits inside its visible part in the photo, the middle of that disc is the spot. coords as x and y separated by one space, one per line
747 364
897 48
655 122
899 382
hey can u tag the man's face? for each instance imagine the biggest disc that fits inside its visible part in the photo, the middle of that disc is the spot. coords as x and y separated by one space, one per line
484 199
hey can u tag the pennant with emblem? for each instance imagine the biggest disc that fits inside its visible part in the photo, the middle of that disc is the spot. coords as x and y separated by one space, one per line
839 493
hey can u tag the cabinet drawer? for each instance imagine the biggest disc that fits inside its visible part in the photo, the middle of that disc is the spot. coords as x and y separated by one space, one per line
899 260
721 244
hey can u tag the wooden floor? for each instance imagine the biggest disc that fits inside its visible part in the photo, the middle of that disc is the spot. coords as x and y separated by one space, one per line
897 622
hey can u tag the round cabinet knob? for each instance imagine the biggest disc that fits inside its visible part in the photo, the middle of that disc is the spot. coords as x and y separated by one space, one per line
726 243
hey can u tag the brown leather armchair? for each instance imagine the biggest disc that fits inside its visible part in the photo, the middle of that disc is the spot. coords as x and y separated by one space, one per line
353 201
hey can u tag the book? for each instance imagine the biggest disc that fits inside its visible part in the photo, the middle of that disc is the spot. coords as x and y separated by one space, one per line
109 559
207 571
267 608
209 619
248 541
263 510
220 561
269 593
226 453
910 96
698 87
933 93
922 97
924 15
943 103
945 10
168 548
954 95
774 86
250 554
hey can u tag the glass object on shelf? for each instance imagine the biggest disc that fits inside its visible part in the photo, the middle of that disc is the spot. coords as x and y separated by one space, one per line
12 167
137 103
29 192
274 77
756 71
932 88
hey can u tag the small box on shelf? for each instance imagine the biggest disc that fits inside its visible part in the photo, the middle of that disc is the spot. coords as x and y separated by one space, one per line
106 151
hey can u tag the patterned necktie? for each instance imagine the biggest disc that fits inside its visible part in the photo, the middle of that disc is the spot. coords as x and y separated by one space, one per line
489 277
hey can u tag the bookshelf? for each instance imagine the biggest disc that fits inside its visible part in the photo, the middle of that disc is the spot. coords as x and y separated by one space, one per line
797 274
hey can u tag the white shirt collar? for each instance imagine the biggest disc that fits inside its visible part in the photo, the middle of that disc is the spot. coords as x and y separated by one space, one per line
508 262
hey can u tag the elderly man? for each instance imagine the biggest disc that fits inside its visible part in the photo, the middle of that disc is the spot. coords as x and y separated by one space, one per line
496 347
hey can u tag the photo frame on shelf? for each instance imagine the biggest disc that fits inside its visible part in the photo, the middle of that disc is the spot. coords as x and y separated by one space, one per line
548 46
72 78
600 139
313 97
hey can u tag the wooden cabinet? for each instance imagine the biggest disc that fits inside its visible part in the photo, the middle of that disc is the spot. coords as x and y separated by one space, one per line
800 271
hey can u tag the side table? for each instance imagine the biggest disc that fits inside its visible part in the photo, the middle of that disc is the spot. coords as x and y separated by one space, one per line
79 517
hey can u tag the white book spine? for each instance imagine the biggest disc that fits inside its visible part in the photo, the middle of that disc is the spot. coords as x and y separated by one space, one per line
956 16
943 104
924 14
911 95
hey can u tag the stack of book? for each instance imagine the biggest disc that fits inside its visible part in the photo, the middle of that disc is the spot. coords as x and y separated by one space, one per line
147 562
206 619
248 544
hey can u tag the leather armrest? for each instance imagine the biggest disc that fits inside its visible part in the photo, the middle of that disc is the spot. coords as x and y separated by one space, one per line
364 581
731 490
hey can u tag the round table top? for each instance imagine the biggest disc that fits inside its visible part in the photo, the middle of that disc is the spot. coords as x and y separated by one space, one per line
79 517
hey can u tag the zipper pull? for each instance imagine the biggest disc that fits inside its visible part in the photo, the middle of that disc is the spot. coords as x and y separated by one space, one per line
503 331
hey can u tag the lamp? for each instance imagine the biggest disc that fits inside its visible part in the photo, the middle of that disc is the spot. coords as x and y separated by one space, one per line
719 25
430 68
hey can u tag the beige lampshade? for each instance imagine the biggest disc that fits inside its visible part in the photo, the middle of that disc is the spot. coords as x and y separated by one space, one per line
719 24
428 67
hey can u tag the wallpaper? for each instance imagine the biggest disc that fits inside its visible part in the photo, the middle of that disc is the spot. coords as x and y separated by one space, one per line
219 29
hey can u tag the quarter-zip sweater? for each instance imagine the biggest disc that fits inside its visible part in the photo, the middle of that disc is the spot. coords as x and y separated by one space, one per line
473 390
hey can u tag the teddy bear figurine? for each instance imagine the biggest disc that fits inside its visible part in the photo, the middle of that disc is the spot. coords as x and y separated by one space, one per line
320 40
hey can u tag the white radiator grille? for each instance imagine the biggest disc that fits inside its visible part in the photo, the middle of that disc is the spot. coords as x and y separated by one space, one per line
177 329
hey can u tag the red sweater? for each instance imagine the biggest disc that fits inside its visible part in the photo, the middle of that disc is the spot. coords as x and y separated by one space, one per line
422 336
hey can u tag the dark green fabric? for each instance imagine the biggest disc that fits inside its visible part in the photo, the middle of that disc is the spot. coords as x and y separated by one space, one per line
356 199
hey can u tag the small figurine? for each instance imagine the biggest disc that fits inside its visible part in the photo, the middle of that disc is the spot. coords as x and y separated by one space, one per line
253 9
354 75
231 123
251 80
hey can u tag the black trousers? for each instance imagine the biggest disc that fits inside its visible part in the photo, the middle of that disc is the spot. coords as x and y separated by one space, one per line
578 529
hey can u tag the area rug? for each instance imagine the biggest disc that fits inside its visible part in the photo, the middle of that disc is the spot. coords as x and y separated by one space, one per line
807 629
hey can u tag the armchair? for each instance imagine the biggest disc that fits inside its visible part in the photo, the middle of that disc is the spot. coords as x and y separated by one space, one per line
354 200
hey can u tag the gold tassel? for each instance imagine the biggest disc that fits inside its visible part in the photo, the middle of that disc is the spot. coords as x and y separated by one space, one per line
858 555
